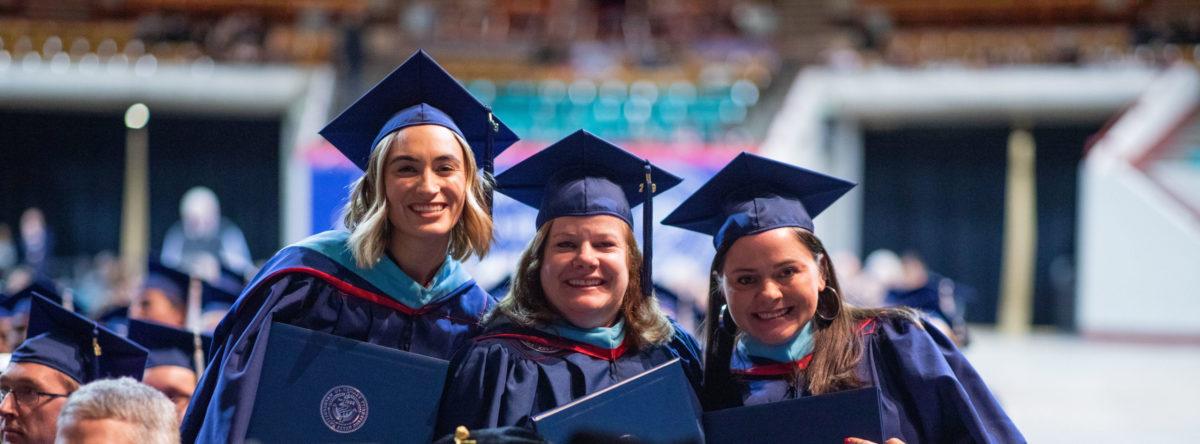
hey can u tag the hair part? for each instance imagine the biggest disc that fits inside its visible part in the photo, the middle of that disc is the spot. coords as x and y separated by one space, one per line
526 304
366 212
150 415
837 349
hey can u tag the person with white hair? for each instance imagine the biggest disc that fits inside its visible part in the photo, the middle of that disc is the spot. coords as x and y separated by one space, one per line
202 241
117 411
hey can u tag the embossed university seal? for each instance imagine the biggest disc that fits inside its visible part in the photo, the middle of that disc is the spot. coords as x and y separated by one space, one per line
344 409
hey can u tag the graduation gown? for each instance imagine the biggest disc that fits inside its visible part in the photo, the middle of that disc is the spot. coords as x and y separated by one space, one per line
509 373
315 284
929 392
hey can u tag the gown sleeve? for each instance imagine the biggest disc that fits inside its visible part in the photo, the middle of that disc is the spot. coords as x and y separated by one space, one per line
684 346
490 384
220 408
931 388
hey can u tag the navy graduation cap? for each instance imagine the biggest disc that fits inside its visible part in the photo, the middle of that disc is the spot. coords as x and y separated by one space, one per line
753 194
18 303
171 346
172 282
216 297
584 175
77 346
418 92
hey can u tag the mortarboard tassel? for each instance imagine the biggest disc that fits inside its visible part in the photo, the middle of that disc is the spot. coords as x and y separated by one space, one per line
488 167
198 354
648 233
96 351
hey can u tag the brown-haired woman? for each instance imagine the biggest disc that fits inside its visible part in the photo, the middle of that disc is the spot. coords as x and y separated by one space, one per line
577 318
779 329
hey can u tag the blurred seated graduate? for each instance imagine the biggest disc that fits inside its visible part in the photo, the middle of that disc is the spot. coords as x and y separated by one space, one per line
394 278
577 318
163 297
782 330
64 351
14 311
215 302
177 358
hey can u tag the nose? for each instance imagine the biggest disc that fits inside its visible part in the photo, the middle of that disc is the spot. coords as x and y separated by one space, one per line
586 257
770 290
428 183
8 408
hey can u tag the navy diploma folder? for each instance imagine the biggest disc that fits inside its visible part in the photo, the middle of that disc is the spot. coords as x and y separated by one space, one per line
317 387
829 418
657 406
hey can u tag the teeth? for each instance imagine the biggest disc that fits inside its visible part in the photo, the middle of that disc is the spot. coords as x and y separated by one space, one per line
768 315
425 208
584 282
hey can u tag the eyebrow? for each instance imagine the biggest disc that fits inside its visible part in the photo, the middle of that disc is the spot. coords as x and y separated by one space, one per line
778 265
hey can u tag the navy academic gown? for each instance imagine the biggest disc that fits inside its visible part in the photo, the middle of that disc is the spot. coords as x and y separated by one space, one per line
509 373
314 284
929 392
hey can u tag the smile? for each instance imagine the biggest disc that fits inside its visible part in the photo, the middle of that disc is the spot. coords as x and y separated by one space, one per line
769 315
427 208
584 283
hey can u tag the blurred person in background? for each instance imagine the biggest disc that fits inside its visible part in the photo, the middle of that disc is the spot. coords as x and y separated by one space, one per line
177 358
782 330
37 243
8 251
163 297
203 241
394 277
931 294
117 411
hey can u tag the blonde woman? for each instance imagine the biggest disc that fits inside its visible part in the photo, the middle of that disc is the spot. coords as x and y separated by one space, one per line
577 318
394 276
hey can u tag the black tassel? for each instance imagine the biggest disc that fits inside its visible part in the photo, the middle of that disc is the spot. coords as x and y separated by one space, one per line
648 233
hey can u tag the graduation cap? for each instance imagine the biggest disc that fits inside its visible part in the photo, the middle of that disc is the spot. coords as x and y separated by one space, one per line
215 297
77 346
230 281
115 318
172 282
171 346
418 92
753 194
18 302
584 175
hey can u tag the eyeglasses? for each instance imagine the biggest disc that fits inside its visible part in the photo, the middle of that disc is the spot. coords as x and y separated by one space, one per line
27 396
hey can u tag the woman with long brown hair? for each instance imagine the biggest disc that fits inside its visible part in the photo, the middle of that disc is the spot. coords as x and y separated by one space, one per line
778 328
578 317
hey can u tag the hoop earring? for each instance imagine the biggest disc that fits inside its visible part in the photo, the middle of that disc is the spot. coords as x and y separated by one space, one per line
828 304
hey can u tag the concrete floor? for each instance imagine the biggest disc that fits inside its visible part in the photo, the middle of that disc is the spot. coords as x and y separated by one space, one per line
1061 388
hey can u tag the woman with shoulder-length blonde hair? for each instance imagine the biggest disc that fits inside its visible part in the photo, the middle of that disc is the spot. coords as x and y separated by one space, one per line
578 317
778 328
393 277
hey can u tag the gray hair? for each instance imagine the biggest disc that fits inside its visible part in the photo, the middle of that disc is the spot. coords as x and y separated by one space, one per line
150 414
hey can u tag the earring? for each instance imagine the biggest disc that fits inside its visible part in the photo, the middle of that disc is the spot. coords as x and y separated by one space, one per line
828 304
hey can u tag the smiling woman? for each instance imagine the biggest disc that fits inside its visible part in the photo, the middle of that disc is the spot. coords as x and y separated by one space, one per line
394 277
576 320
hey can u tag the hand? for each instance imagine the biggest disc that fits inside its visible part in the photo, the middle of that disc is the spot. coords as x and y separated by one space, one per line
863 441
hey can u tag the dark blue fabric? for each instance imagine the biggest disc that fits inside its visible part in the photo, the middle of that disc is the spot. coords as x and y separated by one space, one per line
77 346
419 91
753 194
221 406
499 382
930 393
168 345
582 175
18 303
173 283
216 297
